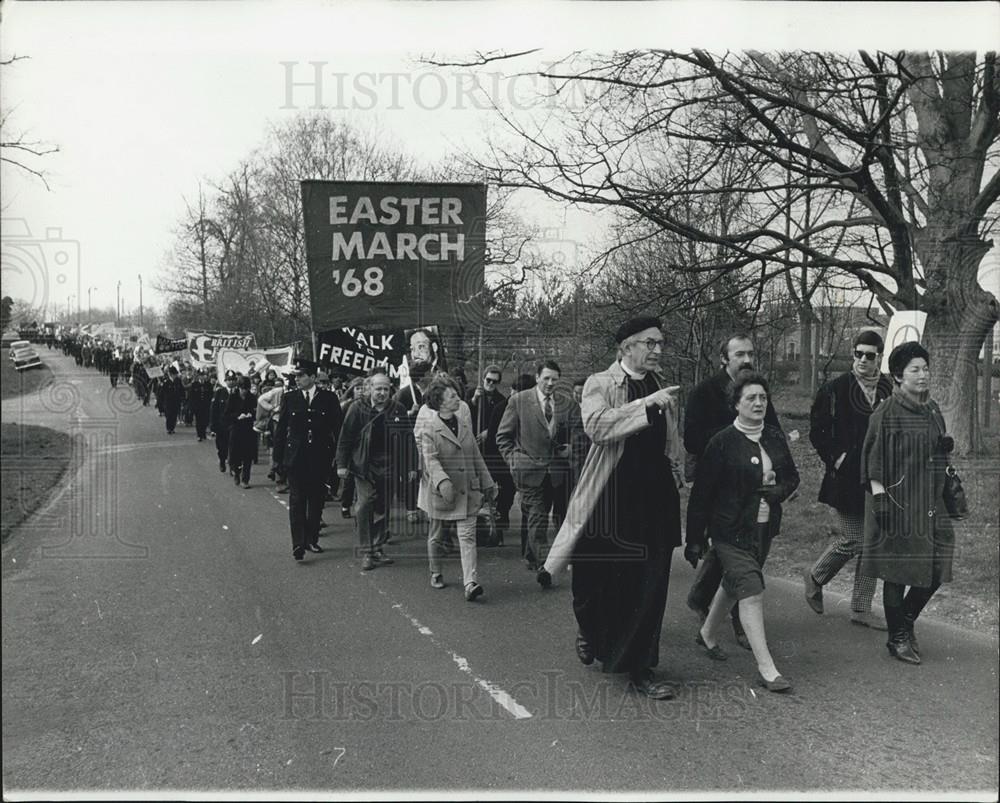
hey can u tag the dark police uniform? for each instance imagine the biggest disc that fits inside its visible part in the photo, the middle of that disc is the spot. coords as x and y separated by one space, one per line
218 423
307 434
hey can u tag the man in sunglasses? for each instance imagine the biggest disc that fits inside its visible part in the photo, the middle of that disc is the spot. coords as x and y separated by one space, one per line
487 407
838 422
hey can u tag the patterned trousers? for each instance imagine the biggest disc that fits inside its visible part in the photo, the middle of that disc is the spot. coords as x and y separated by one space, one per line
847 546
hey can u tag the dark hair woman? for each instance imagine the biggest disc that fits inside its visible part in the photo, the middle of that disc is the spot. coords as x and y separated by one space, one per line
744 475
909 539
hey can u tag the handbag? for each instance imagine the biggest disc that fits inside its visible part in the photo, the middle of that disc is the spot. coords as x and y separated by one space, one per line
954 494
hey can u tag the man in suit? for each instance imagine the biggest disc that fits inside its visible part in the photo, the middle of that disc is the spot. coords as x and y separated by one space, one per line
707 412
310 418
838 422
532 439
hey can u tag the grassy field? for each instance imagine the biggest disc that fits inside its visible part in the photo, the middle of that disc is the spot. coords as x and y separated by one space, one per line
17 383
34 460
971 600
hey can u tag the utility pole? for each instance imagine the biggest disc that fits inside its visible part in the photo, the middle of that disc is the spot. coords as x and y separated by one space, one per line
90 306
140 299
118 305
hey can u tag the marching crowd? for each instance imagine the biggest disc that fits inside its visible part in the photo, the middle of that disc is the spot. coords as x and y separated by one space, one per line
600 468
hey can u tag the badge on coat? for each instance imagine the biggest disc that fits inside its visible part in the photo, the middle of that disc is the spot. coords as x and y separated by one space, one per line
755 460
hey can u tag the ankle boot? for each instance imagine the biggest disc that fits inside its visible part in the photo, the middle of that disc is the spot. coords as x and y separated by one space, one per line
899 637
908 620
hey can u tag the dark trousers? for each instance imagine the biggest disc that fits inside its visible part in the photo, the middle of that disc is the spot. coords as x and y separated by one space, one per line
201 422
241 469
114 379
222 446
171 414
306 496
706 583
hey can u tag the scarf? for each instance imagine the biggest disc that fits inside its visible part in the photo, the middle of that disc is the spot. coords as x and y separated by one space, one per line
869 385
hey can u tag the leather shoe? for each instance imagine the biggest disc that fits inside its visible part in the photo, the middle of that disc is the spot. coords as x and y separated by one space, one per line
814 592
583 650
902 650
646 683
298 553
544 578
473 591
314 548
716 653
779 685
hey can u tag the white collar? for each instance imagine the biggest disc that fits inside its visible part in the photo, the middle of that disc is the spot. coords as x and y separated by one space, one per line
630 372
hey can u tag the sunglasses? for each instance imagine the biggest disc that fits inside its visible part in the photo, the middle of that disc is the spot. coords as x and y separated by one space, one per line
865 355
489 381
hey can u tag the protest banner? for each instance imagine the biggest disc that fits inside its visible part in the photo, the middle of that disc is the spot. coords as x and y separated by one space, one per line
227 359
391 255
203 347
904 326
356 351
154 371
165 345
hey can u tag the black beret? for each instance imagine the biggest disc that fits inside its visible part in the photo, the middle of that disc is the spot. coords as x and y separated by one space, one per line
304 366
636 325
900 356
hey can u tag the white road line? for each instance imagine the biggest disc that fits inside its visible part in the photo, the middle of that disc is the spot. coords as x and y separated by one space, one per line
502 698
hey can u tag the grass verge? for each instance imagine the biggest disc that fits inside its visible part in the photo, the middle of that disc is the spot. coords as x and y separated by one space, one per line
18 383
34 460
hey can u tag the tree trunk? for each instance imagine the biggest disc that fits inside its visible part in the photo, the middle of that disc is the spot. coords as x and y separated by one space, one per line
987 380
805 345
953 336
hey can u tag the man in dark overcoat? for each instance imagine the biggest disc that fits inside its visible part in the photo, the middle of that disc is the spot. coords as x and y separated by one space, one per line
310 418
838 422
216 418
171 392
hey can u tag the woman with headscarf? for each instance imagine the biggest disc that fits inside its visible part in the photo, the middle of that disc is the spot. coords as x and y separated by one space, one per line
909 539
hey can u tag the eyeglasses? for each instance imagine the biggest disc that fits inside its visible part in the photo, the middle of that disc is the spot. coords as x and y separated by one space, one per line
651 344
865 355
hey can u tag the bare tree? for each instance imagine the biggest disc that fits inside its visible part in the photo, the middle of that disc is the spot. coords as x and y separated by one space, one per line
898 150
17 148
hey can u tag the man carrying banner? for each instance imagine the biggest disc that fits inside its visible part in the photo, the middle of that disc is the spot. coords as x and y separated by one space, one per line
306 431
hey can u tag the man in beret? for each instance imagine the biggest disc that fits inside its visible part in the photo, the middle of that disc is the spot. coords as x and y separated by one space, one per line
307 430
623 520
708 411
532 438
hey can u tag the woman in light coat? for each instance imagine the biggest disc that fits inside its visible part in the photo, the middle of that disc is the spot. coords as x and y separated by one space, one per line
453 484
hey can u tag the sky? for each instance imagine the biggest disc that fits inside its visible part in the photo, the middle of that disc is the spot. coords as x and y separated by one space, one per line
145 99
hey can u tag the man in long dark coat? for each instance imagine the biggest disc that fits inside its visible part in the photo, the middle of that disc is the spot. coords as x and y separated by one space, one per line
171 392
623 520
217 421
310 418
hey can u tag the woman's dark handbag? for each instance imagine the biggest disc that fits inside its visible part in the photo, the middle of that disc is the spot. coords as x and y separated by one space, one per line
954 494
487 532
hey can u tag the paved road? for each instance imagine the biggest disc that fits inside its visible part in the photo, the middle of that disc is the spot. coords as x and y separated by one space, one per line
158 635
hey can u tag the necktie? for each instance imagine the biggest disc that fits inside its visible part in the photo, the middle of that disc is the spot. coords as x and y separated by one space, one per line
548 410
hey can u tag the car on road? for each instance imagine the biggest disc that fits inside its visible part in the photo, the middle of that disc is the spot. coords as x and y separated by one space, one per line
25 357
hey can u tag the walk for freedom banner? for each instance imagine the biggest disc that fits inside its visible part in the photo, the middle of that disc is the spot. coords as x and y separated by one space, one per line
355 351
203 347
393 255
239 360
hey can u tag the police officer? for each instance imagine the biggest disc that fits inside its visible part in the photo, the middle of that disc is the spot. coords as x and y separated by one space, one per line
310 418
200 401
217 421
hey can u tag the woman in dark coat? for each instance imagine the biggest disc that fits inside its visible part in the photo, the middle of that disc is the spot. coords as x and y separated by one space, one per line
239 416
909 539
742 478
